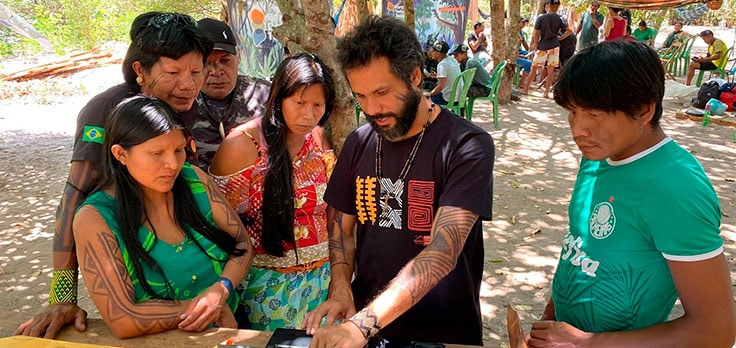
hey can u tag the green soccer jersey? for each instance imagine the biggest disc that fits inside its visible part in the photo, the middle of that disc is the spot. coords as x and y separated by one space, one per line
627 218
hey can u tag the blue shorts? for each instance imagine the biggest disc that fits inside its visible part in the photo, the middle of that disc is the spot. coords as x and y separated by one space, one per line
524 63
438 99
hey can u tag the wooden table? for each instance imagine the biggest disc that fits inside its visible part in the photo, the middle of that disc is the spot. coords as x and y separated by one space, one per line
97 333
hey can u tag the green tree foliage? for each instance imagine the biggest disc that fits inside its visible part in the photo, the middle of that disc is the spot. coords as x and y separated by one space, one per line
85 24
726 13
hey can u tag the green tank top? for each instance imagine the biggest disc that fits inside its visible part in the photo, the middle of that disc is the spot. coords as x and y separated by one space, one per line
188 270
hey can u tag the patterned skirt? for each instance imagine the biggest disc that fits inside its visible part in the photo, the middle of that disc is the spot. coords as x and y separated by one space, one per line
274 300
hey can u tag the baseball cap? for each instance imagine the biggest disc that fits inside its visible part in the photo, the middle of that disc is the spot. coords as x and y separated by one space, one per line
477 24
705 33
523 19
461 48
220 33
553 2
441 46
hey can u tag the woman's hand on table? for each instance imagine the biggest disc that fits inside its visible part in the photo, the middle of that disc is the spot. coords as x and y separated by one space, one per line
52 319
205 309
226 319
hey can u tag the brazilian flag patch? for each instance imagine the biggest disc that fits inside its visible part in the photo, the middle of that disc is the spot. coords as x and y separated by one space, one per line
93 134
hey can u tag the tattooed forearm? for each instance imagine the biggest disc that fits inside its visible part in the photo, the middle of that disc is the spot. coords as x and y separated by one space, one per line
341 232
232 221
338 255
79 183
449 232
110 287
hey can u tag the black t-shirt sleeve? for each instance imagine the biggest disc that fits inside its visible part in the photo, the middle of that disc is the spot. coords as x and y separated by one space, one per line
91 119
538 23
469 182
340 193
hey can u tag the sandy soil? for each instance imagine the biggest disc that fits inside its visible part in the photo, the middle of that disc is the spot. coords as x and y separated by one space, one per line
536 162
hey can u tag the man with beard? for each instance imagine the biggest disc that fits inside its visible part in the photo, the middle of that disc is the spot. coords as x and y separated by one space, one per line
407 198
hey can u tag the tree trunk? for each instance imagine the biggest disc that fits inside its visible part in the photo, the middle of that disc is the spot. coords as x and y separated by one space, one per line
363 9
473 15
512 42
409 13
540 8
349 17
312 32
291 31
321 41
498 32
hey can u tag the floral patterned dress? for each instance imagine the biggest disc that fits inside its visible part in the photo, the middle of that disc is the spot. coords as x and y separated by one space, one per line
278 291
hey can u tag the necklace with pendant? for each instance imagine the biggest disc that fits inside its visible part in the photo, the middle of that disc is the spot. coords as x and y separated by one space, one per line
222 117
385 194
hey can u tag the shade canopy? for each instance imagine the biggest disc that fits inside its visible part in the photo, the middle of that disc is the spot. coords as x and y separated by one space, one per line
649 4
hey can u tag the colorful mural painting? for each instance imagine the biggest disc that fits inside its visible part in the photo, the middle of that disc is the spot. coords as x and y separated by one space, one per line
260 53
434 19
252 21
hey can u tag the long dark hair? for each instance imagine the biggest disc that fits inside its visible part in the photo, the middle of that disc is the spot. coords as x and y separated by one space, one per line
133 122
295 72
162 34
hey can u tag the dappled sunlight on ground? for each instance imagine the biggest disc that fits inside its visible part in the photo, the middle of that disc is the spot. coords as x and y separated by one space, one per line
535 168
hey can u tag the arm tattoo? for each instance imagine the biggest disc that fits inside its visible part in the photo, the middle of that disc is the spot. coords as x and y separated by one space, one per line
450 230
338 255
232 221
81 177
110 286
80 181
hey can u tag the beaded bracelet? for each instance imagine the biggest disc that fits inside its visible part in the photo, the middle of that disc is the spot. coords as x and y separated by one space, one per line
228 284
63 286
367 322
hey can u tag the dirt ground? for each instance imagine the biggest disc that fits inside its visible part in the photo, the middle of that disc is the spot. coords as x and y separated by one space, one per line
536 161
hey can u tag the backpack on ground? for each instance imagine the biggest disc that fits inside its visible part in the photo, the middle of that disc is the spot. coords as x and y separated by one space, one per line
710 89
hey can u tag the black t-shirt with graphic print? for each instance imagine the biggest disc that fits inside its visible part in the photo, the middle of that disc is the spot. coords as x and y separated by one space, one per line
453 167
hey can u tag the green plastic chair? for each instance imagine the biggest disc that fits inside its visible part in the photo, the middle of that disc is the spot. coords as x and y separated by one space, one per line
731 73
683 57
493 95
670 57
458 106
517 76
720 71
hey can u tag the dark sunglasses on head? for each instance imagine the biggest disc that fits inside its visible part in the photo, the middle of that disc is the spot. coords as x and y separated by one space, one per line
161 20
